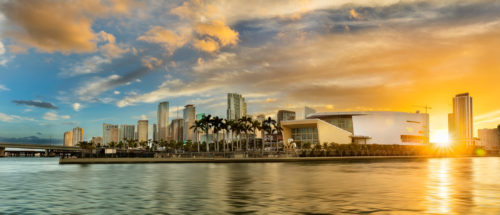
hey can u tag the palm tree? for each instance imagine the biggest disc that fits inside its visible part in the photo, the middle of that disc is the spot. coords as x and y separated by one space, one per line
256 125
207 124
279 131
225 128
267 126
217 126
198 125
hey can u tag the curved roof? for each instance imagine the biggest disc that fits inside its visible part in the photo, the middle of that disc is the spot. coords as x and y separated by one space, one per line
354 113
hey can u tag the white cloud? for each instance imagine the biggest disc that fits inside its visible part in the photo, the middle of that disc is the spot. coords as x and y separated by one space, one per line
77 106
54 116
96 86
10 118
116 92
3 58
3 88
2 48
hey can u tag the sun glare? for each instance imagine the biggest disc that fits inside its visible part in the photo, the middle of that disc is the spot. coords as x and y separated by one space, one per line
440 138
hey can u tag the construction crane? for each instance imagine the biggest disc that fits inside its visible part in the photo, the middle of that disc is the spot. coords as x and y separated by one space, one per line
426 107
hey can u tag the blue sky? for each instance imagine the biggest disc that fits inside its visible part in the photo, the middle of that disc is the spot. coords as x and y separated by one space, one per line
83 63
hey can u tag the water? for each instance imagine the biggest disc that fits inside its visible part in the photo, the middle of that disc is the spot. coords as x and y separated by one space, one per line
424 186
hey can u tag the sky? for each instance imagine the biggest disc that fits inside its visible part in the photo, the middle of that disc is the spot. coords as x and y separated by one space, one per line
83 63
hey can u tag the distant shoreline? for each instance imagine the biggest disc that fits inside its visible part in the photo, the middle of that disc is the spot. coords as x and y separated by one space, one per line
238 160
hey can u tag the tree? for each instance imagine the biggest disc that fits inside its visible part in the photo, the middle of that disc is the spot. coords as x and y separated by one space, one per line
207 124
198 125
268 127
256 125
217 124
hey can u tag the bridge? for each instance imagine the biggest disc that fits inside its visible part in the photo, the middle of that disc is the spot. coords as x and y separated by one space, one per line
47 148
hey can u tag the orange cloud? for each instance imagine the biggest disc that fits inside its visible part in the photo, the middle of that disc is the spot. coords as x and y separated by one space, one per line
353 14
206 45
218 29
57 26
170 40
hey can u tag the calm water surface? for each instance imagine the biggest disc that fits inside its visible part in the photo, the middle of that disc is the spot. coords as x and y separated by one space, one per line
425 186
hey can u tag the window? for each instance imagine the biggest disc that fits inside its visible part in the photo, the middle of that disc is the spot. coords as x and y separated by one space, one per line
304 135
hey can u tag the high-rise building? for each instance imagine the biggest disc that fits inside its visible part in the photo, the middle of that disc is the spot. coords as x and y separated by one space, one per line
68 138
77 135
462 120
176 128
126 132
163 112
285 115
236 106
97 140
142 130
155 132
189 116
109 133
489 139
308 111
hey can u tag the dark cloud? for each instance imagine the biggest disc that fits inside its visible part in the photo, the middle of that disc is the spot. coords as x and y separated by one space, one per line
33 103
31 140
38 133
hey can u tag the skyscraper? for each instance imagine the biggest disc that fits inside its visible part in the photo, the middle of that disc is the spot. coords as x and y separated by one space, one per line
236 106
176 129
155 132
285 115
68 138
109 133
142 130
189 118
126 132
163 111
462 120
77 135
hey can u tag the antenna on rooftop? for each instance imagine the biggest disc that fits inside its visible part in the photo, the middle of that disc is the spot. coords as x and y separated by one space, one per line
426 107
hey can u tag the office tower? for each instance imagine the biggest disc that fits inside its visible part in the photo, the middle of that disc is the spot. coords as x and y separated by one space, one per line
189 116
126 132
308 111
155 132
236 106
163 121
488 139
462 120
142 130
109 133
285 115
68 138
77 136
176 128
97 140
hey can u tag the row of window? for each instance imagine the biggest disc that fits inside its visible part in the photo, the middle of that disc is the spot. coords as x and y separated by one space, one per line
305 135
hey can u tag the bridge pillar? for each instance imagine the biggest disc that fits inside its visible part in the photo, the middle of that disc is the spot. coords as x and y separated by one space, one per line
2 151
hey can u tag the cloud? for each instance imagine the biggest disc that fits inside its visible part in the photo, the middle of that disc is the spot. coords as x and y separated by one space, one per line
54 116
36 103
151 62
167 38
3 88
219 30
52 26
13 118
77 106
353 14
3 58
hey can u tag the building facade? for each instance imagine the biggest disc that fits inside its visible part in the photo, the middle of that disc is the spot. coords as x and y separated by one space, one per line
162 115
109 133
236 106
155 132
97 140
126 132
77 135
189 115
176 129
285 115
462 120
489 139
142 130
68 138
373 127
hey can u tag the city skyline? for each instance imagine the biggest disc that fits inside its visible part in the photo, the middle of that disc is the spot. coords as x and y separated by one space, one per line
117 73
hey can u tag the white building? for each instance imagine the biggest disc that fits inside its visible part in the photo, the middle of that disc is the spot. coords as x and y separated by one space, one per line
126 132
77 135
370 127
236 106
142 130
163 113
109 133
